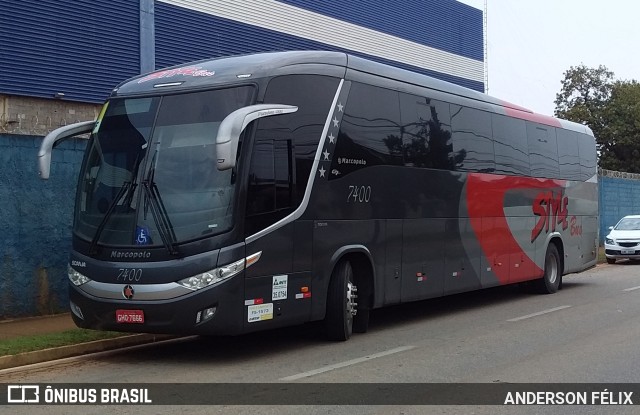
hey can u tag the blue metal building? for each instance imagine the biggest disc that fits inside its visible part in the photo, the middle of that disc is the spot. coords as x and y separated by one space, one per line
83 48
59 59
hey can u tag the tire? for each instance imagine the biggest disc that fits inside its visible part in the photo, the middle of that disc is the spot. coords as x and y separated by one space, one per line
550 281
611 260
341 304
361 320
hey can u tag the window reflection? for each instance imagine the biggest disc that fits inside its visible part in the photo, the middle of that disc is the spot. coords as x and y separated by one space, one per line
543 150
472 136
511 146
426 136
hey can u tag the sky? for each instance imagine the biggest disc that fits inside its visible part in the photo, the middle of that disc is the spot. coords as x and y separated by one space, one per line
531 43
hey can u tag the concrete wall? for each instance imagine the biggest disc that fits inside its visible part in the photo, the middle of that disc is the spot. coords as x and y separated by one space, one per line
35 225
38 116
619 196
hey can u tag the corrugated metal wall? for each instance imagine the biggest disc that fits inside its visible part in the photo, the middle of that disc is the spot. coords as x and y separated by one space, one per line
442 38
619 194
82 48
444 24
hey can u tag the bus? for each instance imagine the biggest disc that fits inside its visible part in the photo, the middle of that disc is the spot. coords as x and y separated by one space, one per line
251 192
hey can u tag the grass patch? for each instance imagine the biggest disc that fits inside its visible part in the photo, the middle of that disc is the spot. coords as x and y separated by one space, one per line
45 341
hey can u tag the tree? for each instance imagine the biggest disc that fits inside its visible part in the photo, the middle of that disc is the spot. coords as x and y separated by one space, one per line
621 149
610 108
584 95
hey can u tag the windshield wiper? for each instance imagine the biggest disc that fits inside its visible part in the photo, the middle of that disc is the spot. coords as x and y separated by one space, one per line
127 191
134 178
158 210
93 248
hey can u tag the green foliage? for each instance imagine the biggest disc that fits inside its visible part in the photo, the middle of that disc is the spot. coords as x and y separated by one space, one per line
584 94
621 150
45 341
611 108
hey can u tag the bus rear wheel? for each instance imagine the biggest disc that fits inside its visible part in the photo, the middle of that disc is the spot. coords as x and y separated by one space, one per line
550 281
341 303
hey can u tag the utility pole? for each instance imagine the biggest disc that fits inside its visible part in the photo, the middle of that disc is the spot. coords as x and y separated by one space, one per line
486 48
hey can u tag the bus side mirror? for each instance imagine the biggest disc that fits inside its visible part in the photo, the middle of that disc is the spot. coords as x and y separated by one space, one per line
50 140
232 126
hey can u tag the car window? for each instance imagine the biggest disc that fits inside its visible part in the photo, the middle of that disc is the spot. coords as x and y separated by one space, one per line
628 224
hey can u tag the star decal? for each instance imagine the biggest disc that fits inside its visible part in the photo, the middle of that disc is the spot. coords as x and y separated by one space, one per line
331 138
335 122
340 106
322 171
326 155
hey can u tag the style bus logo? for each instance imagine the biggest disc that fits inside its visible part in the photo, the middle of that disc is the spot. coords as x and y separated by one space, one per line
552 210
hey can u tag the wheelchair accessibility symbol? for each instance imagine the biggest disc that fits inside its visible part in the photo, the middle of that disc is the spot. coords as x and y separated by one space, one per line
142 236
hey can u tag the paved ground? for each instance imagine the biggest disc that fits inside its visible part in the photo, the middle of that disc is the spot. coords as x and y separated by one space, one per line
35 325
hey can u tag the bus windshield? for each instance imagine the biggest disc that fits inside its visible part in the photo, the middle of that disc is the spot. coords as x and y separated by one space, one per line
150 176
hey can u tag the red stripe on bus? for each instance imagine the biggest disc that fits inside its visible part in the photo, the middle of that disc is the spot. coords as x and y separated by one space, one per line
532 116
485 201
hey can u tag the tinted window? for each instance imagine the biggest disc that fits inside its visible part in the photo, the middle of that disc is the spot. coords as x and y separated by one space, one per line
543 150
370 132
587 149
285 146
568 154
270 179
426 132
472 139
172 172
511 147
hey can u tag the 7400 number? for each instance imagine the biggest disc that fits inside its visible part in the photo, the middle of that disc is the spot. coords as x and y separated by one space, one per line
359 194
129 275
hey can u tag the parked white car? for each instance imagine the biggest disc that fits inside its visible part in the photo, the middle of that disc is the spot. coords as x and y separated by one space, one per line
623 240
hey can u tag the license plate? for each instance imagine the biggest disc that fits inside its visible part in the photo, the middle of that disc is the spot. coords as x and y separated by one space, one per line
627 251
130 316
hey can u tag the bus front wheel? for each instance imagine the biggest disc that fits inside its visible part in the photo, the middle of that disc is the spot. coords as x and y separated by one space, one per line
341 303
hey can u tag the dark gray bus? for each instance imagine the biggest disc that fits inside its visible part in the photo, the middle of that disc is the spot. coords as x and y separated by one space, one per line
245 193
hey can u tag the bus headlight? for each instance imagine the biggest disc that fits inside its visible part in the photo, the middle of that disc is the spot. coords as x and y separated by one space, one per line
75 277
208 278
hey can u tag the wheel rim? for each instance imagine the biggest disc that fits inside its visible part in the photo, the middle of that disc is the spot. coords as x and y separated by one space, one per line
552 269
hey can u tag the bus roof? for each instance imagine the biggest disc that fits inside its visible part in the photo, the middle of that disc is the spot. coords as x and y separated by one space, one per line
232 69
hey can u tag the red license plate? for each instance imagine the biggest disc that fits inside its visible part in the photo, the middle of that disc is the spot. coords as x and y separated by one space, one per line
130 316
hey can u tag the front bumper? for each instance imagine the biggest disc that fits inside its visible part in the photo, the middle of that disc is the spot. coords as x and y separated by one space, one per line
173 316
620 252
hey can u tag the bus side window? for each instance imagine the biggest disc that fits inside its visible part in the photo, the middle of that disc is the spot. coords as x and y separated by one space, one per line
587 151
568 154
284 147
472 140
543 150
370 132
511 146
426 132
